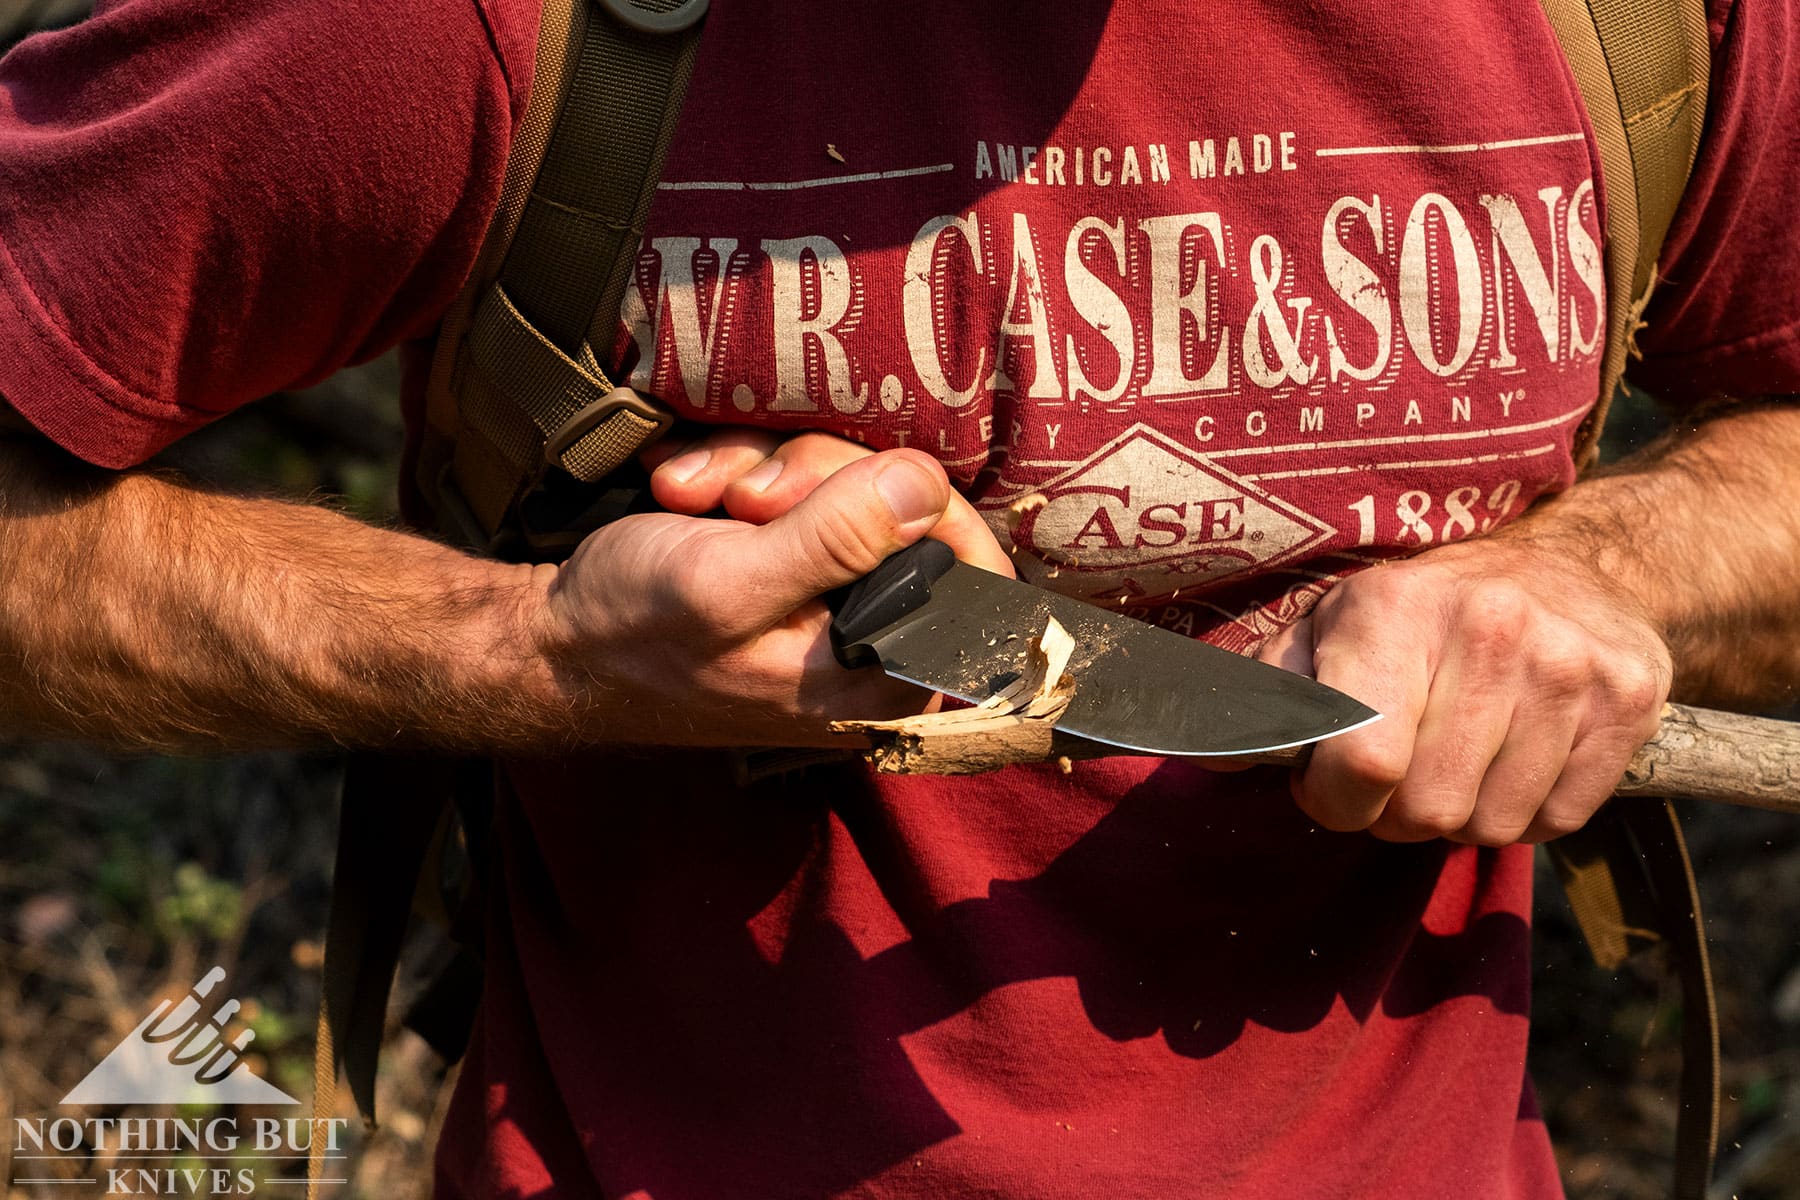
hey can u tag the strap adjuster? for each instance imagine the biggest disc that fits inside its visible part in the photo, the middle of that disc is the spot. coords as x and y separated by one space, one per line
635 14
622 404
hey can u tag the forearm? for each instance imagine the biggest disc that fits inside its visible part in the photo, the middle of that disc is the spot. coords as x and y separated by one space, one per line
1704 530
138 611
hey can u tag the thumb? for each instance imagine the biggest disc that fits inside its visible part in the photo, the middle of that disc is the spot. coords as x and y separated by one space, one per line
841 531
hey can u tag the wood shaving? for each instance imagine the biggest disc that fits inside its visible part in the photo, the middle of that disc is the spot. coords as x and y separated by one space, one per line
1016 723
1030 502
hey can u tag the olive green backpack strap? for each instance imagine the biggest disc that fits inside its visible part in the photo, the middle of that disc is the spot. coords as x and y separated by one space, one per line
1642 69
516 392
519 389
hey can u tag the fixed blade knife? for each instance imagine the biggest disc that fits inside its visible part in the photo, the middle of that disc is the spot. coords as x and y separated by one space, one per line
957 629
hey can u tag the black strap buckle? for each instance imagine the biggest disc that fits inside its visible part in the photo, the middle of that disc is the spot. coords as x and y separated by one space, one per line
641 16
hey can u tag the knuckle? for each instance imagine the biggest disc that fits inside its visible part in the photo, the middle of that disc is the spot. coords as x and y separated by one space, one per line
1329 810
814 457
1328 605
1563 666
847 548
1496 613
1376 766
1434 818
1640 685
1628 703
1397 824
1549 825
1493 828
1332 819
1581 797
1387 587
1648 729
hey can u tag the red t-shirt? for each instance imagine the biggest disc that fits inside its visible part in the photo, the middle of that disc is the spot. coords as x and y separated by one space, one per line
1252 299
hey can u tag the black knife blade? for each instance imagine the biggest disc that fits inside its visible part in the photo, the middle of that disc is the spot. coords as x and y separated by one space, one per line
966 632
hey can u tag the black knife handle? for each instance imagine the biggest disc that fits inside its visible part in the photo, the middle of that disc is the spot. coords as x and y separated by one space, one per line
901 584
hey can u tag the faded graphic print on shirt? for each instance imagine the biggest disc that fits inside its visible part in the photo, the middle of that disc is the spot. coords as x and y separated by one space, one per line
1198 374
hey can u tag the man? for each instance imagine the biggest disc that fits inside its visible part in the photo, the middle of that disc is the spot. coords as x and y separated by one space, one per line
1252 305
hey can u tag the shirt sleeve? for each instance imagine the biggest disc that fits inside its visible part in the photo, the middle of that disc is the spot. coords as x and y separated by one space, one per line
1725 316
203 203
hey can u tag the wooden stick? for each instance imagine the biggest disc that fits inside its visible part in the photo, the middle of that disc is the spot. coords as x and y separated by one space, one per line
1698 754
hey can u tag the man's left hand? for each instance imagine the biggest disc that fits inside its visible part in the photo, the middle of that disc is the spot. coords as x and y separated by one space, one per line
1515 680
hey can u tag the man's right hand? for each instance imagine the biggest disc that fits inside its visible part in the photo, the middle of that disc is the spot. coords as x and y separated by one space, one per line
140 611
675 629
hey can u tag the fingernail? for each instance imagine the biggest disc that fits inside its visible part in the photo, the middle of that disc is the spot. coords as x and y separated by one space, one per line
910 493
762 476
686 465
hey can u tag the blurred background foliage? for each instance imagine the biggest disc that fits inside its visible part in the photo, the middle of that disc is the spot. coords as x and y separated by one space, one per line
123 879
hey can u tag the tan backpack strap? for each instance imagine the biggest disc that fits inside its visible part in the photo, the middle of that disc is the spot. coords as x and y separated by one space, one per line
324 1102
515 360
1631 887
1642 68
561 24
552 409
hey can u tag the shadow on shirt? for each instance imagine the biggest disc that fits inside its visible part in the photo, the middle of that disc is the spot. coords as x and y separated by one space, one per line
716 1071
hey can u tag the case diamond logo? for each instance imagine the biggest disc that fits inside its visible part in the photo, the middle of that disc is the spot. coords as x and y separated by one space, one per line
1144 516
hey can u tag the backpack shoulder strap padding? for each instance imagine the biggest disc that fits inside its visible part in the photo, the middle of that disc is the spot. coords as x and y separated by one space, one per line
517 386
1642 68
560 25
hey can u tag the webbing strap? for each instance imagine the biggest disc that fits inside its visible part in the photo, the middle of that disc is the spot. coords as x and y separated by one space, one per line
388 813
1642 68
560 23
324 1101
512 393
573 416
579 237
564 277
1631 886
